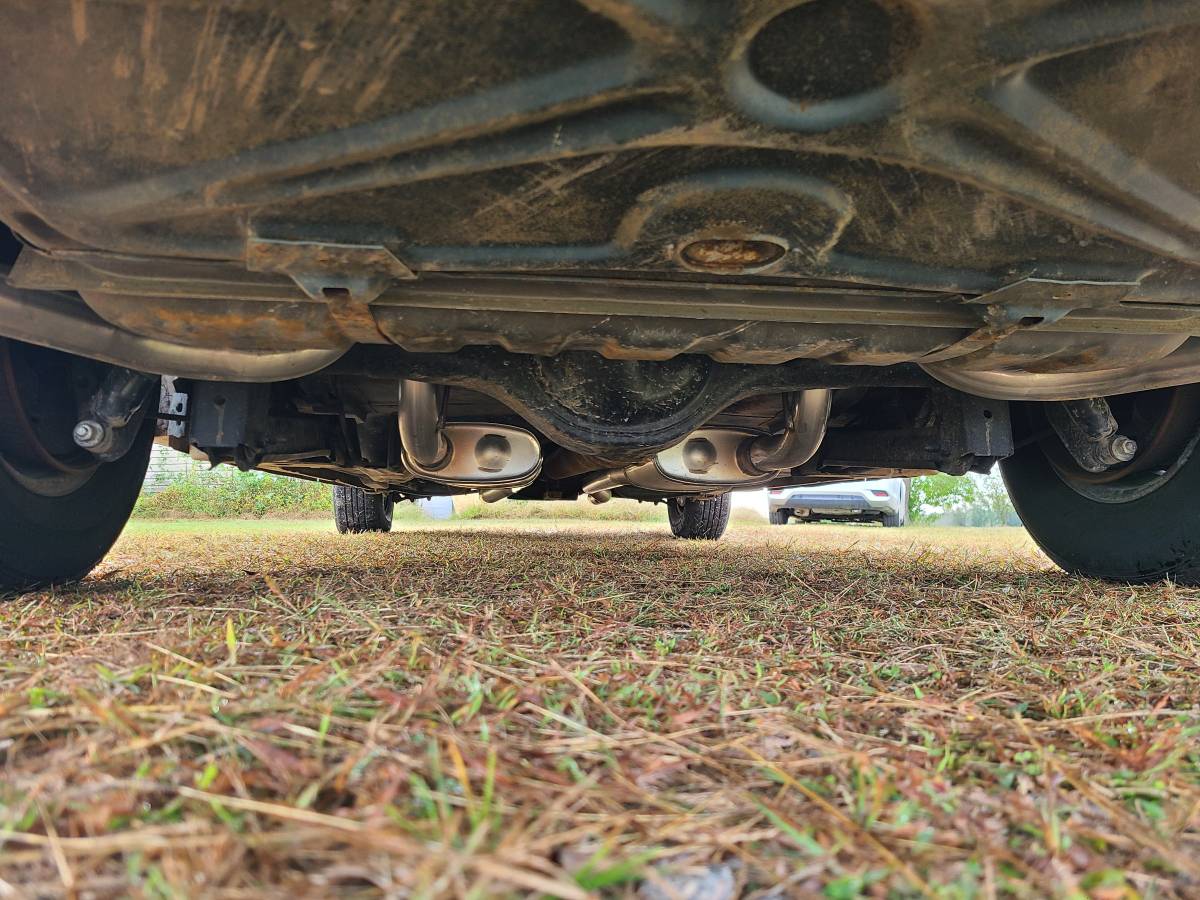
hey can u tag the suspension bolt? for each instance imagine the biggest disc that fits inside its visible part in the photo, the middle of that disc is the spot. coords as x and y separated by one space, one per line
89 434
1124 448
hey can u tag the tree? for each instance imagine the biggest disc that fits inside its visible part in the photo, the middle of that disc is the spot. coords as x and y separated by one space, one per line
976 500
930 496
992 506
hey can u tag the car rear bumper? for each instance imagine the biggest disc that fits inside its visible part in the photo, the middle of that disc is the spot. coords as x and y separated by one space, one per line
841 503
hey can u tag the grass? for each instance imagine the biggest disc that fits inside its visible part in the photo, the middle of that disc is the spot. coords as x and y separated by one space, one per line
262 527
548 710
233 494
471 507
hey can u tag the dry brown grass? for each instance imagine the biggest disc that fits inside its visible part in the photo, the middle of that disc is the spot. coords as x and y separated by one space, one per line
553 711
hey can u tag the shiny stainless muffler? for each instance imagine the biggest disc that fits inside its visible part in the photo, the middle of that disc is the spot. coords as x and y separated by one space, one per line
478 455
722 459
501 459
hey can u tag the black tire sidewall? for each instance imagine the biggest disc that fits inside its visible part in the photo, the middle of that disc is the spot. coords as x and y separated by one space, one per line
49 540
1145 539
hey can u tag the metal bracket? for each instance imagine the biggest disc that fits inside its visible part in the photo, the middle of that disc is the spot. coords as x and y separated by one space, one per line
363 270
173 409
1048 297
345 277
1029 304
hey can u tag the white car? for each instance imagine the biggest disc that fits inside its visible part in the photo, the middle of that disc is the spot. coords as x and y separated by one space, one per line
878 500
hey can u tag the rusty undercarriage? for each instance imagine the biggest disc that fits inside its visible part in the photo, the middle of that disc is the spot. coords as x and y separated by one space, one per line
646 248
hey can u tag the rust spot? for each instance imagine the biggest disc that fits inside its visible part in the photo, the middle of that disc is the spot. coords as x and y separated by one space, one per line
731 254
79 21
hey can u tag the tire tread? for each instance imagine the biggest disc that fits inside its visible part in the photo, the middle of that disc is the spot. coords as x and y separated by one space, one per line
698 519
356 511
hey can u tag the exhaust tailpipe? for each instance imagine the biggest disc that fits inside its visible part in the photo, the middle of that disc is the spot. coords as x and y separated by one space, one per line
807 415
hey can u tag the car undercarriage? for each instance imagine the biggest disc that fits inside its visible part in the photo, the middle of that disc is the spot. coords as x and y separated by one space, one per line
655 249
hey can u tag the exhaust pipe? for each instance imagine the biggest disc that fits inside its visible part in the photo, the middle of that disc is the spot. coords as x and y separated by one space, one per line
807 415
420 418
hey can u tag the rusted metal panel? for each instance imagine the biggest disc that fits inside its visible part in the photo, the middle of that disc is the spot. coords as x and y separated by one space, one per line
272 176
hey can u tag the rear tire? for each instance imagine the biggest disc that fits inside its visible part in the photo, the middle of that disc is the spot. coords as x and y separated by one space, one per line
778 516
892 520
696 519
60 510
356 511
1139 528
53 540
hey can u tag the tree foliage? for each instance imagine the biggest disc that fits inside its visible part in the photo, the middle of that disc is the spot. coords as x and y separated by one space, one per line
968 500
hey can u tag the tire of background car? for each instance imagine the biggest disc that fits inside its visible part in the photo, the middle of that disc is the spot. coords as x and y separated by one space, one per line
1136 523
60 510
778 516
699 519
892 520
356 511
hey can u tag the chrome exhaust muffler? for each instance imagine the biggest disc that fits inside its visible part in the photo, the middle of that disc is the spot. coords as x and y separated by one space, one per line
477 455
722 459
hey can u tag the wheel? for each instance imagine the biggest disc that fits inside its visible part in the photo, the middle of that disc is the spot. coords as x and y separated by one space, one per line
356 511
701 519
1134 523
892 520
778 516
62 509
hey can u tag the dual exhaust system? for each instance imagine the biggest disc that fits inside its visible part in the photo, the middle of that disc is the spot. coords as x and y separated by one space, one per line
498 460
